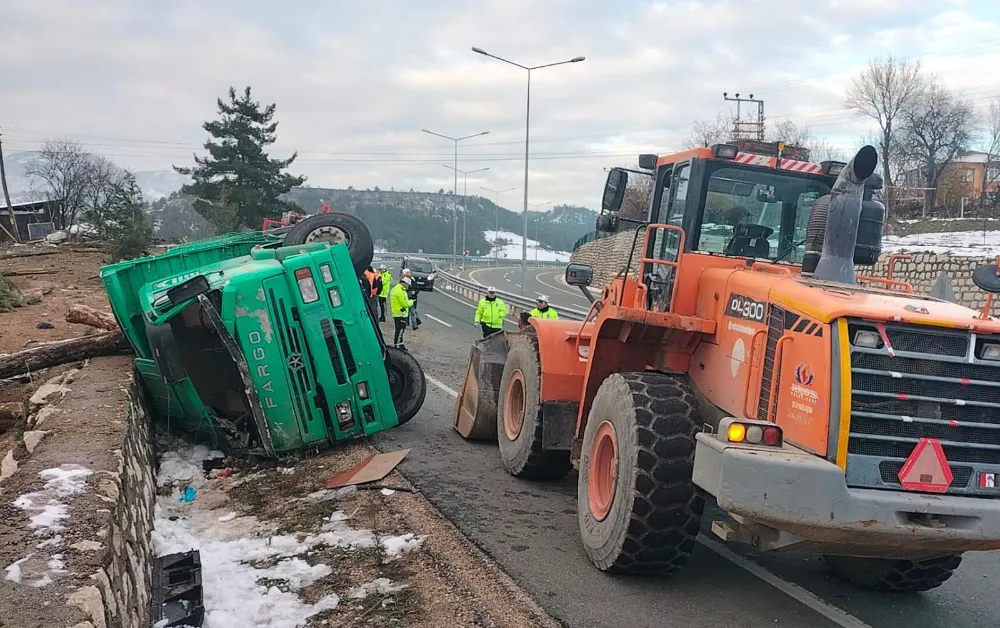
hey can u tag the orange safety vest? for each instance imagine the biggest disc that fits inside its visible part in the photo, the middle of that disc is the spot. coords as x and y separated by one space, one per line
370 276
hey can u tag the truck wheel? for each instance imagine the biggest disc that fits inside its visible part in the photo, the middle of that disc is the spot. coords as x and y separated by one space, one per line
406 383
638 508
889 574
519 417
336 228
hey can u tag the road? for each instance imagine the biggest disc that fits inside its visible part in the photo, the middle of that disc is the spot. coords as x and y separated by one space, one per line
547 281
531 530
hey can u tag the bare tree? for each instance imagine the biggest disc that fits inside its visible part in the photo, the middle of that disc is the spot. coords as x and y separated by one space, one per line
822 150
991 142
936 126
882 92
708 132
790 133
638 192
64 173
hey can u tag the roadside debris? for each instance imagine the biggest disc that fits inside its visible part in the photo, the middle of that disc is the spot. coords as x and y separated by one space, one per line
371 469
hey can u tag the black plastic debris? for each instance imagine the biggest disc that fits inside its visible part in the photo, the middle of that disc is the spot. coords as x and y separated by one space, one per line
177 592
213 463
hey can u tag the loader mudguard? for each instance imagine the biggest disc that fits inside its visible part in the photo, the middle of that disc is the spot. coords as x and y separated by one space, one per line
476 407
563 361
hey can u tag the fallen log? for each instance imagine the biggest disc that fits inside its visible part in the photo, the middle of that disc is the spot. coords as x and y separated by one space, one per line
85 315
14 253
63 351
29 271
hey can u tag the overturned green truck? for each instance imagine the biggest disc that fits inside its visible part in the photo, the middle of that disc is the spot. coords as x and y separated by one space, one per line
263 343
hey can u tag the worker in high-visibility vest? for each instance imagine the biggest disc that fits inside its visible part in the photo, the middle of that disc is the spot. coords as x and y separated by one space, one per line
490 312
383 296
399 299
542 309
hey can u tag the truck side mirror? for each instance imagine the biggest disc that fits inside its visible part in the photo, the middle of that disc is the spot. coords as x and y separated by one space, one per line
579 275
614 190
607 223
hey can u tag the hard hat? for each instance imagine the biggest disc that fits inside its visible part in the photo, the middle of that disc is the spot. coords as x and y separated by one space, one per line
544 298
381 267
491 289
406 280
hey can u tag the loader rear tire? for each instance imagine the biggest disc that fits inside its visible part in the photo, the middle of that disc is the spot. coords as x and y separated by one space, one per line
519 416
887 574
406 383
638 508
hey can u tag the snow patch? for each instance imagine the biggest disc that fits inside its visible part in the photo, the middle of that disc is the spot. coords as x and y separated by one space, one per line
398 545
957 243
45 507
512 249
382 586
14 569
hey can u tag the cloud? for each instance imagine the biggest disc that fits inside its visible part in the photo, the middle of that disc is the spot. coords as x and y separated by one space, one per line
355 82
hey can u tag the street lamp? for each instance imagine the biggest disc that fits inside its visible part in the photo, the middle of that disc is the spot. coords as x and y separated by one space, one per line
465 200
527 129
496 207
536 206
454 194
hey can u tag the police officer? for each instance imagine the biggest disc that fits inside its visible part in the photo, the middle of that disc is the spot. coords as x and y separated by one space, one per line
383 295
491 312
542 309
399 300
415 321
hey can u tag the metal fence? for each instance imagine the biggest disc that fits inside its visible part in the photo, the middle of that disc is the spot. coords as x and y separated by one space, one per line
467 261
516 303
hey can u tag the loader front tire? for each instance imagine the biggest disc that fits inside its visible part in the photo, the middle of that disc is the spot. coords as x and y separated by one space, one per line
638 508
519 416
887 574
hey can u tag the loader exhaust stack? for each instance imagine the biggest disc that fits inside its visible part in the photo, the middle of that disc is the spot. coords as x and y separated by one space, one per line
836 261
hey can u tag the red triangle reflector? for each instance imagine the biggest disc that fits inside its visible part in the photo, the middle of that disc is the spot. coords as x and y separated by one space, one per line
926 469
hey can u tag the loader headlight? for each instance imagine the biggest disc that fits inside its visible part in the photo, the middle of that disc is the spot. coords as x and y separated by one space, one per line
989 351
867 339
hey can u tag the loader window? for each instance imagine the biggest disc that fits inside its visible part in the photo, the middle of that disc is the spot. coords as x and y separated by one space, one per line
757 213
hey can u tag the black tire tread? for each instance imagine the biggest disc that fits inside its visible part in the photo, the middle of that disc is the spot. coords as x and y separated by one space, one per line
887 574
539 464
415 393
361 246
666 509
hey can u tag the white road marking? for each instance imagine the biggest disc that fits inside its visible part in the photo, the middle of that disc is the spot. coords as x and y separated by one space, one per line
446 390
435 318
794 591
517 284
539 276
505 279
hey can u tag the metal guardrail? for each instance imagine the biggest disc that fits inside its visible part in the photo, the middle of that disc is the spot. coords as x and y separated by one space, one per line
467 261
516 303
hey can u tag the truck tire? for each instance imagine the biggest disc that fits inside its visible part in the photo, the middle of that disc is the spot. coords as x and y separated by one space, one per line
888 574
406 383
336 228
638 508
519 416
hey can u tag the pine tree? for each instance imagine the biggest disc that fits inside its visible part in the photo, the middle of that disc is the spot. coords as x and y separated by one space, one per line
237 171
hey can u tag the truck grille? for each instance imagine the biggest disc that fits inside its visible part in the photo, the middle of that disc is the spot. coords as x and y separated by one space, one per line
298 362
932 388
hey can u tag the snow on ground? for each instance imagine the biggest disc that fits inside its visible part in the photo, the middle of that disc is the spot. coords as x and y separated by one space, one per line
957 243
240 553
512 250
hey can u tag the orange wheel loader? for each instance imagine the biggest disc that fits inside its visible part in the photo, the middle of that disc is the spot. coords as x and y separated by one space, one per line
740 358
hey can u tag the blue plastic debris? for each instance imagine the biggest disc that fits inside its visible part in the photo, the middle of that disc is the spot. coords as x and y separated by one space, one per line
188 495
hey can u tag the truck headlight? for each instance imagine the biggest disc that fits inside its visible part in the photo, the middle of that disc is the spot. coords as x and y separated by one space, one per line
307 285
430 277
326 273
344 414
867 338
990 351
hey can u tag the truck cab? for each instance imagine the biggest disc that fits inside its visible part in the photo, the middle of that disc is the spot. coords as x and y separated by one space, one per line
261 347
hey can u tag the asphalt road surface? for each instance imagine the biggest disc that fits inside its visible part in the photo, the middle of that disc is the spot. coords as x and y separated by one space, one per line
547 281
531 529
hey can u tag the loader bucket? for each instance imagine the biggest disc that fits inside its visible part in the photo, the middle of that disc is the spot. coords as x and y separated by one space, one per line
476 408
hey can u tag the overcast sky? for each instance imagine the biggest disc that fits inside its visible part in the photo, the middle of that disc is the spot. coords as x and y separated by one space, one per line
355 81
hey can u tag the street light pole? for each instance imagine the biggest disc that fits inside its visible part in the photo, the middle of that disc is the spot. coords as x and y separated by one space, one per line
496 218
536 206
527 133
465 200
454 193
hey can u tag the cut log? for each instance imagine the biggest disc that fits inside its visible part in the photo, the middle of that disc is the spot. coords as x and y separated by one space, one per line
29 271
61 352
85 315
13 253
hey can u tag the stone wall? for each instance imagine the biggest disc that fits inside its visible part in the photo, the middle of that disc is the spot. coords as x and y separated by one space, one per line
608 257
92 567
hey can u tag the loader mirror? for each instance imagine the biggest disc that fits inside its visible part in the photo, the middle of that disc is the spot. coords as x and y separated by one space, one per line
579 275
987 278
647 161
614 190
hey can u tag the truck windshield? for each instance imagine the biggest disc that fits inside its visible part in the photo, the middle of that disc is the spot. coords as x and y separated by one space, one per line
755 213
419 266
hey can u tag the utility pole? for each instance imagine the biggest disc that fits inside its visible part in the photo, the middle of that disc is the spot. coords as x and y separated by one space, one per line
747 129
6 197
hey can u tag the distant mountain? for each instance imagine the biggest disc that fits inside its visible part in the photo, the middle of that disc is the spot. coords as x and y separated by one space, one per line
412 221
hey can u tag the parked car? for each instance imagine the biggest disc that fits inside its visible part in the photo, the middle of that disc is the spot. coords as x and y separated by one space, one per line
423 272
